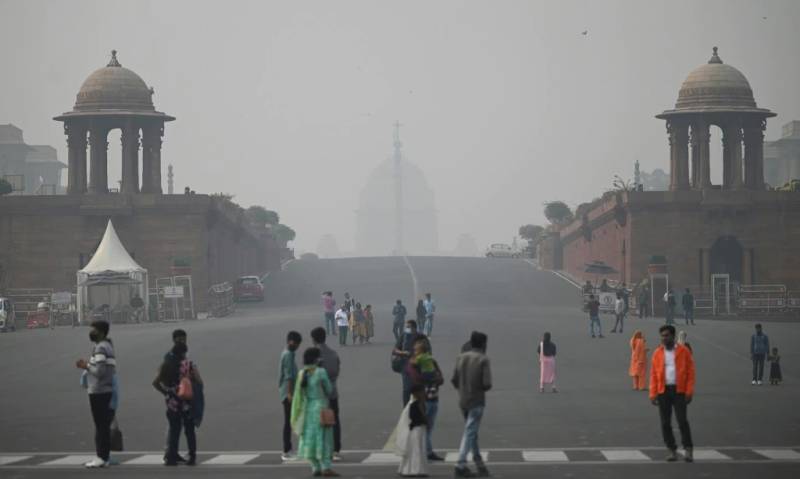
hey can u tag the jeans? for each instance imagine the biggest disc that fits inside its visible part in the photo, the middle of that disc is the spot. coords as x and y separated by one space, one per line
102 414
670 314
343 335
758 367
330 324
619 321
337 428
178 419
688 315
421 323
428 329
469 441
644 310
595 320
666 403
431 410
397 329
287 425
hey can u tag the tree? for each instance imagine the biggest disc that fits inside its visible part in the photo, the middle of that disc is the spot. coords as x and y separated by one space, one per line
261 216
5 187
532 233
282 233
557 212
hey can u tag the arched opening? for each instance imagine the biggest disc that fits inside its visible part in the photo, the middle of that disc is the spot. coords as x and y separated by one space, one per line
726 258
715 154
115 159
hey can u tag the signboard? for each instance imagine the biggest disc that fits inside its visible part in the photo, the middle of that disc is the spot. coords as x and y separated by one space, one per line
63 297
607 301
173 292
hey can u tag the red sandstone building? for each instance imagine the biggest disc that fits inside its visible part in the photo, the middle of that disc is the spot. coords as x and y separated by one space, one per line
44 240
737 228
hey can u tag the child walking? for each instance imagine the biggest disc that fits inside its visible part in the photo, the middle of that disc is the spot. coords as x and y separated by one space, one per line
775 376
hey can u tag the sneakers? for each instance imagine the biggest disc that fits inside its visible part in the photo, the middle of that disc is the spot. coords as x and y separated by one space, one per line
672 456
482 471
463 472
754 382
435 457
96 463
288 456
688 455
336 457
758 382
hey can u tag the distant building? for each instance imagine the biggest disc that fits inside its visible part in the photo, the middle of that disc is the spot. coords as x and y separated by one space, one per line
658 180
31 169
782 157
375 217
328 247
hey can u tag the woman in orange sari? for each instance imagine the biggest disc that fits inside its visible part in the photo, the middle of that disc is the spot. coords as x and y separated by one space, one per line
638 368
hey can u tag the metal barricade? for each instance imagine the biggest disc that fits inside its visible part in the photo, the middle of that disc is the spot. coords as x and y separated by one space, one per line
762 298
220 300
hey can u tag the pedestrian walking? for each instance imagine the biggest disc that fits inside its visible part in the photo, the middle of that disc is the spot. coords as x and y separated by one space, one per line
669 303
359 324
399 317
775 376
369 322
178 336
174 381
421 312
329 359
759 348
594 316
643 300
472 377
547 363
342 321
410 436
287 376
672 378
626 298
687 301
312 418
430 309
619 312
329 312
402 352
683 337
638 366
100 369
429 375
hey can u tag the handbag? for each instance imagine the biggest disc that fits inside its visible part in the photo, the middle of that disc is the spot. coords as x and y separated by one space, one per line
327 418
185 391
116 436
398 362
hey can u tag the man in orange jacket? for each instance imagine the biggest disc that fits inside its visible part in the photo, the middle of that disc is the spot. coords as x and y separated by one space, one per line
672 387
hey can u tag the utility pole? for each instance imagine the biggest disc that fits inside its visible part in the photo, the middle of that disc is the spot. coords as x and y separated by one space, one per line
398 192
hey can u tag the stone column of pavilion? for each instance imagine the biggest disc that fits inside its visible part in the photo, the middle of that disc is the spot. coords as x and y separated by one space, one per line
716 94
110 98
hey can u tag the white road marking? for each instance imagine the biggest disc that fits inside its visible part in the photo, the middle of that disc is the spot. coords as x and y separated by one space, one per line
146 460
779 454
625 455
453 457
231 459
76 460
413 279
382 458
4 460
710 455
544 456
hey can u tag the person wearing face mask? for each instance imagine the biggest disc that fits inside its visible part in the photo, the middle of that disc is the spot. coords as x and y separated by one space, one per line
100 369
672 377
286 381
404 349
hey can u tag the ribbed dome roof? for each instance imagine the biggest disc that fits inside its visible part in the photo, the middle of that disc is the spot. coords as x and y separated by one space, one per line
715 85
114 88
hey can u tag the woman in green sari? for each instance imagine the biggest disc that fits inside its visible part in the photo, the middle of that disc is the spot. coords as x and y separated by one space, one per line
310 397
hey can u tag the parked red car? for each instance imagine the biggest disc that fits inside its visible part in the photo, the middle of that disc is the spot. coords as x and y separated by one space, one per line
248 287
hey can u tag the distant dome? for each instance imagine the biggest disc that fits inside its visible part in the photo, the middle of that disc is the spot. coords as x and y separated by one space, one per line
715 85
114 87
378 194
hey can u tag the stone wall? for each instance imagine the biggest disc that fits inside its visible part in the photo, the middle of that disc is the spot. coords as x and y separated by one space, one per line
626 230
44 241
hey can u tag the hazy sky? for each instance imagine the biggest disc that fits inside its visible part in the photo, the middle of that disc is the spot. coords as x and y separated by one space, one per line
505 104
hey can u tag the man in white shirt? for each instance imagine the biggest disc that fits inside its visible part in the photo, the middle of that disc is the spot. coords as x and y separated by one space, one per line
619 311
342 317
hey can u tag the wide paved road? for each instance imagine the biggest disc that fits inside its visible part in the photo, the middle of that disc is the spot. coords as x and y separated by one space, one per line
594 427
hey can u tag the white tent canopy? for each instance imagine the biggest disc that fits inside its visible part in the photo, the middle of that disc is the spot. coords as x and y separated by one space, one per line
100 288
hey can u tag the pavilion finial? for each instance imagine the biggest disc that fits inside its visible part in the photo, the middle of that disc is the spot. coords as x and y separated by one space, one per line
114 62
715 58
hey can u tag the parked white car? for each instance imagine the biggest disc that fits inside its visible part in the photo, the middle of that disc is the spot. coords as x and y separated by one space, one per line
7 315
502 250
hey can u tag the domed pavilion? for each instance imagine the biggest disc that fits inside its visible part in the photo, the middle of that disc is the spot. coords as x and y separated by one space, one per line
716 94
110 98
